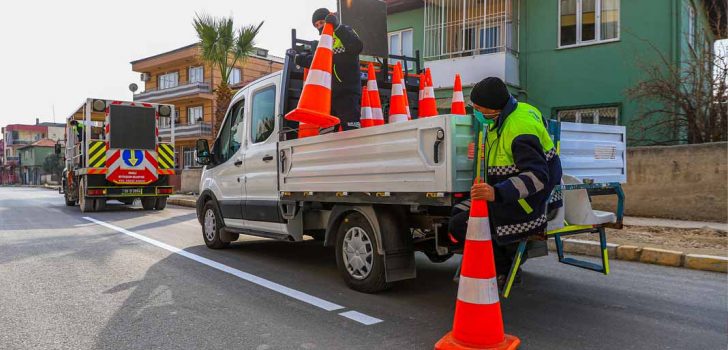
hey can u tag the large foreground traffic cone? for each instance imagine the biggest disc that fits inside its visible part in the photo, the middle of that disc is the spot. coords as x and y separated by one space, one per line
374 100
458 102
428 104
306 130
366 119
397 108
314 106
478 321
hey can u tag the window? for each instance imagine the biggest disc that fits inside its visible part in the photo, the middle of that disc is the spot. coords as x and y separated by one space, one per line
401 44
225 146
194 115
234 77
263 115
584 22
489 38
197 74
190 159
165 122
691 25
168 80
603 115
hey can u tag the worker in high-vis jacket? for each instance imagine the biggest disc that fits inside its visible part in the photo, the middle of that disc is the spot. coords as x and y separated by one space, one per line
346 74
523 168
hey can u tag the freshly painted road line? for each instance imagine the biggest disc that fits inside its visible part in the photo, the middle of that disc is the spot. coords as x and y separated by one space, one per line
295 294
360 317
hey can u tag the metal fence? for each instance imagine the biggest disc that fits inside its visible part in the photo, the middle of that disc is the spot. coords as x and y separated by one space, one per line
456 28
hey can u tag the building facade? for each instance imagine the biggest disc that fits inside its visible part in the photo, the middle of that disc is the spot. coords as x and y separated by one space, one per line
16 136
32 157
181 78
572 59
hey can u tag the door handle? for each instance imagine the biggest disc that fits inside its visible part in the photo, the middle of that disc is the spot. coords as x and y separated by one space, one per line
267 158
238 163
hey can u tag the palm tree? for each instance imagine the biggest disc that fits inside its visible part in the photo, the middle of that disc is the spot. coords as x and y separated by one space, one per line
223 47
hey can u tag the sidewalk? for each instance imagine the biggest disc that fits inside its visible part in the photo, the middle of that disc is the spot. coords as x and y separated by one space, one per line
637 221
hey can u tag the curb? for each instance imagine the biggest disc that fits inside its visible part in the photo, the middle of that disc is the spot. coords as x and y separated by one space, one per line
182 202
645 255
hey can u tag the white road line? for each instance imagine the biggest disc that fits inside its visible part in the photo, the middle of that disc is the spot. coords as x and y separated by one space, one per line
360 317
295 294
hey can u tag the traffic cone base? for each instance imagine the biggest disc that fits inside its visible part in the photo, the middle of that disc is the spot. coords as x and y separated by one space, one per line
309 116
448 342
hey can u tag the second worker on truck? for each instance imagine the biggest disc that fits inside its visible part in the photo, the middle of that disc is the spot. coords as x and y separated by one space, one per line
346 79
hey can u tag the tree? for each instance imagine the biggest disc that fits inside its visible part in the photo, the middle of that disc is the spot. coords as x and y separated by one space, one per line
684 102
223 47
53 164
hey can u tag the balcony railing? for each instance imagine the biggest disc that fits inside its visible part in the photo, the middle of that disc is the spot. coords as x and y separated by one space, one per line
187 131
12 161
158 95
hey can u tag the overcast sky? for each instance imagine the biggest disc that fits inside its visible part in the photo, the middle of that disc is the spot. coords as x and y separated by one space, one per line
56 53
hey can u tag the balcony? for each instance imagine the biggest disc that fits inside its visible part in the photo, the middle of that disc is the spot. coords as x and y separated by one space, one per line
179 91
12 161
475 38
187 131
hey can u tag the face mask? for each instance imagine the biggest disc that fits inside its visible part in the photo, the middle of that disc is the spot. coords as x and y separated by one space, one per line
320 30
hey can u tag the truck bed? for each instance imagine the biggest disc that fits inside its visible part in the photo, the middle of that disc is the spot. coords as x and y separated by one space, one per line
387 158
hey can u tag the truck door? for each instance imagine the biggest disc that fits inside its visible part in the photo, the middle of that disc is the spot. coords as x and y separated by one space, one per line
230 165
261 165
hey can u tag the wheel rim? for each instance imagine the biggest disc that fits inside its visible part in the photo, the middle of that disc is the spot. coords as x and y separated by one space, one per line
358 253
210 225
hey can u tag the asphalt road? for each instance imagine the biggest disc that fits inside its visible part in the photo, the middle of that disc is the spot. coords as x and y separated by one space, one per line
115 283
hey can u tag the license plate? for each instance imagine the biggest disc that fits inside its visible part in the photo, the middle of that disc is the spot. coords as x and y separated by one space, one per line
131 191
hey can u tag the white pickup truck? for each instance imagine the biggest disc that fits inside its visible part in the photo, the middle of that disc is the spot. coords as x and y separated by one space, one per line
376 194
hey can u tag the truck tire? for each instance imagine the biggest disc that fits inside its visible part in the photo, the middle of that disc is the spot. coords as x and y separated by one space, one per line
148 203
161 203
86 204
99 204
212 226
357 259
69 202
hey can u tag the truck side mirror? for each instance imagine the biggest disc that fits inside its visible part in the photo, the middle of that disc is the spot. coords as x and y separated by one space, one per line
203 152
58 149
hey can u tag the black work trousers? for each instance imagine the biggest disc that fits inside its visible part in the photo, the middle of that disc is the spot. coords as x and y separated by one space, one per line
346 106
503 254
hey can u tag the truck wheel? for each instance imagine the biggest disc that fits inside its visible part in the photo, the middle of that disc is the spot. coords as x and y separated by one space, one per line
69 202
211 226
356 255
99 204
86 204
161 203
148 203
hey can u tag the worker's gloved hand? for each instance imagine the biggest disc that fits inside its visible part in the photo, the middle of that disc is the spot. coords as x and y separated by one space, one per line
482 191
331 18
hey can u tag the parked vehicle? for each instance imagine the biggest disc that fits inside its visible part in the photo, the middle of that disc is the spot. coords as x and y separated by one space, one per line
113 152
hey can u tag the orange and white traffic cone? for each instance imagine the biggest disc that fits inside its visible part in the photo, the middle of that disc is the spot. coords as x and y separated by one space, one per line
428 104
404 88
314 106
366 119
478 321
421 92
306 130
458 102
374 100
397 107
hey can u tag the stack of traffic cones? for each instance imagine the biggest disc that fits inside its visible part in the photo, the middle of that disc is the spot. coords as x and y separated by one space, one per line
478 321
428 104
314 106
458 102
367 119
374 100
397 104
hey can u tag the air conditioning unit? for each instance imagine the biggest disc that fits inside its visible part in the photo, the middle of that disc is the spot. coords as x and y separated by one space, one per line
145 77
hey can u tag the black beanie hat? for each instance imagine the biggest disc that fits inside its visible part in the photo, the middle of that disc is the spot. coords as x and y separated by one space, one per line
490 93
319 15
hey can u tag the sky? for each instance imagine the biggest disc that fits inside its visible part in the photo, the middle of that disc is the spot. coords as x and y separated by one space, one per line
57 53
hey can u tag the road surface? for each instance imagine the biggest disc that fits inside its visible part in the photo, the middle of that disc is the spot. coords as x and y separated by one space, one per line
130 279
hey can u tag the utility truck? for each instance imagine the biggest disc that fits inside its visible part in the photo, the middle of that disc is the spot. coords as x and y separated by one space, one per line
376 194
113 151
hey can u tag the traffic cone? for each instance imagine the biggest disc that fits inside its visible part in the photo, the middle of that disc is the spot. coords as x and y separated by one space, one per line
367 119
314 106
458 102
306 130
428 105
422 89
397 108
478 321
404 88
374 100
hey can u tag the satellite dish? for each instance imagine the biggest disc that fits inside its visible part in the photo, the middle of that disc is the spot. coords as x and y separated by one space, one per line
133 87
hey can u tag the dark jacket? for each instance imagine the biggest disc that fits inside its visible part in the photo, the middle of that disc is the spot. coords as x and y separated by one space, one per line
346 71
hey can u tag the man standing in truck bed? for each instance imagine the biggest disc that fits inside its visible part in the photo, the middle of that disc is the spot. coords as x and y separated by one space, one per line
346 84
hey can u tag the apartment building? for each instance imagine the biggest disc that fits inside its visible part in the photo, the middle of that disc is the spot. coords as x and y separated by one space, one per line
181 78
16 136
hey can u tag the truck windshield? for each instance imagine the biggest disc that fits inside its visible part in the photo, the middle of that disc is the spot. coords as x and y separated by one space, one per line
132 127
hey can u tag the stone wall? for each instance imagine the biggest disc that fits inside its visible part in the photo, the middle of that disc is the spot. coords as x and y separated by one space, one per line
686 182
190 180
